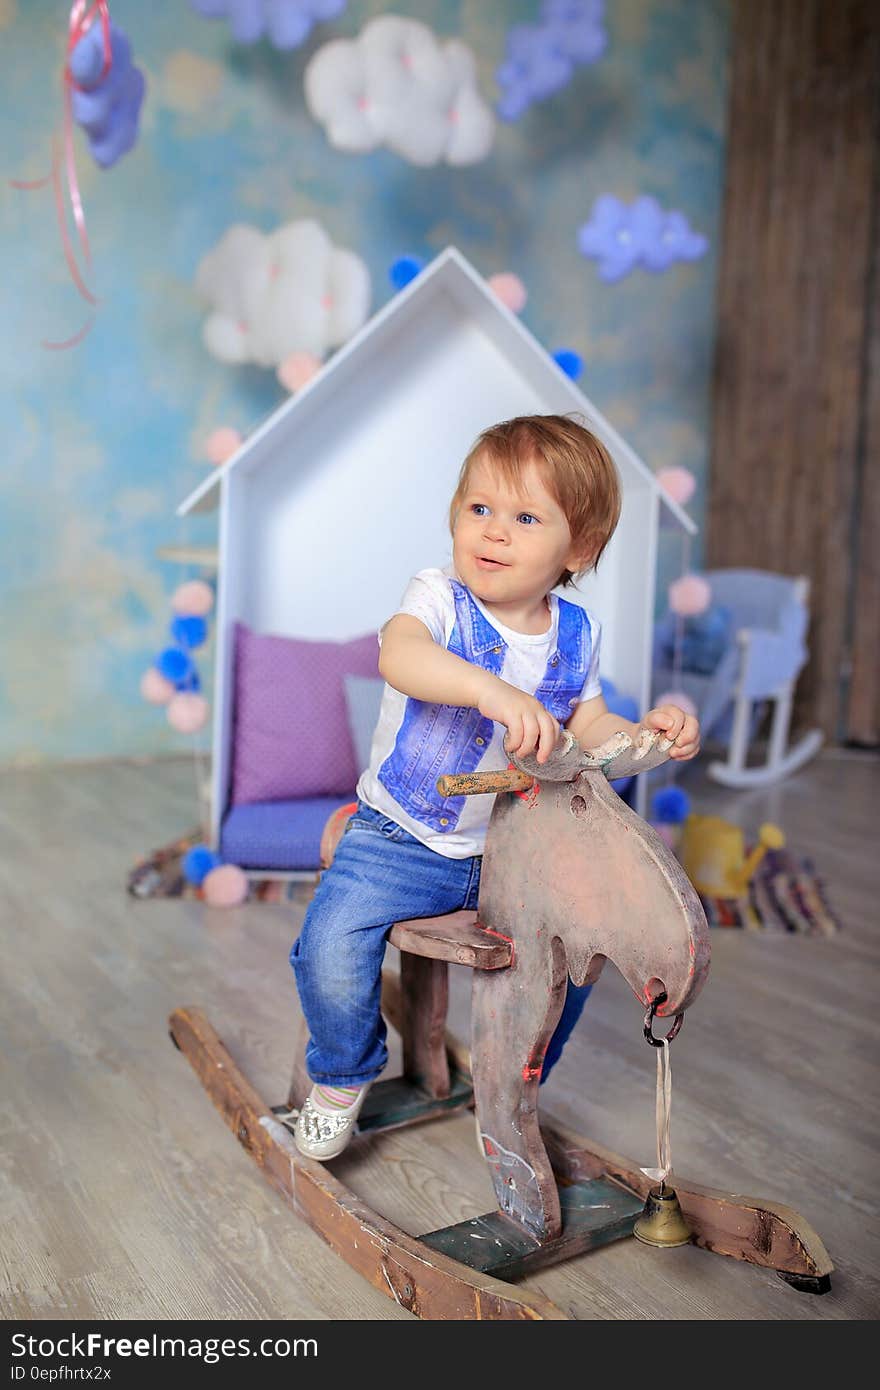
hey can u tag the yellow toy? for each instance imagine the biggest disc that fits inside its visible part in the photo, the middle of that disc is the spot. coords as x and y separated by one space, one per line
713 853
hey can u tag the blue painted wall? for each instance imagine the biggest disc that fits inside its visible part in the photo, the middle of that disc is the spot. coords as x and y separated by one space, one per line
102 441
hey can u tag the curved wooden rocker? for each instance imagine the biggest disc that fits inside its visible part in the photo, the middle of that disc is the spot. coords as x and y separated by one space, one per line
544 913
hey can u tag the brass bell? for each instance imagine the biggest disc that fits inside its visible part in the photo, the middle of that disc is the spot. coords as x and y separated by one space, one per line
661 1222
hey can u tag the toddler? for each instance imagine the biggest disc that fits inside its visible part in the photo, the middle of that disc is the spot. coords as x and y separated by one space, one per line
482 659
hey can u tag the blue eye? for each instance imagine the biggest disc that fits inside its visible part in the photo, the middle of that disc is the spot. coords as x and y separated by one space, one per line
527 518
479 509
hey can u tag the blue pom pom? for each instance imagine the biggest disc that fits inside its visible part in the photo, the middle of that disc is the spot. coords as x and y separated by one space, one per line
174 664
404 269
198 863
570 362
189 630
670 806
191 682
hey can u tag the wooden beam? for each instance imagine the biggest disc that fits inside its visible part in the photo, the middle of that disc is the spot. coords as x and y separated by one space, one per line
798 252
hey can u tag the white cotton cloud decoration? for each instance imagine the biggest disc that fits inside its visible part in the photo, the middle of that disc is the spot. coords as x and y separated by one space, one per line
398 85
289 291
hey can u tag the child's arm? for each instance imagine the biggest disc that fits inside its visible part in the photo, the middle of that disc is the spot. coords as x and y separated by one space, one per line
413 663
592 723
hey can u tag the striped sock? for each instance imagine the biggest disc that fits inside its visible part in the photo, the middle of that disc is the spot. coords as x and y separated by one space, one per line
335 1098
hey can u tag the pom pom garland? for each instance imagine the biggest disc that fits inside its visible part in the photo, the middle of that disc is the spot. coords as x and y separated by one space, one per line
510 290
225 886
155 689
221 444
174 664
670 806
222 885
570 362
187 712
191 681
690 595
173 680
189 630
404 269
297 369
678 483
195 597
198 863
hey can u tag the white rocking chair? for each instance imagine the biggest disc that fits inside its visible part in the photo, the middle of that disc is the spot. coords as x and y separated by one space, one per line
771 615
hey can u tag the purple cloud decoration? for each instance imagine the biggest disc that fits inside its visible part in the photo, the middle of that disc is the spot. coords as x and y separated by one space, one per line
106 105
621 237
285 23
541 58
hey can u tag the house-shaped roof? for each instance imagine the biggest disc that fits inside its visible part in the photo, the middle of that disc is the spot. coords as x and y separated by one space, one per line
451 274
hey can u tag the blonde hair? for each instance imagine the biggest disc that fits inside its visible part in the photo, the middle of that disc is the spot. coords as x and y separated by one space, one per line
575 467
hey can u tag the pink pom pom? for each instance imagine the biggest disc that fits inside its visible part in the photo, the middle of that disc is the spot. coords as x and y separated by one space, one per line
194 597
510 290
222 444
187 712
679 698
678 483
297 369
155 688
690 595
225 886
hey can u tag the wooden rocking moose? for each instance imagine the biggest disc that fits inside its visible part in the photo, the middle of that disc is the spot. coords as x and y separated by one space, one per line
571 877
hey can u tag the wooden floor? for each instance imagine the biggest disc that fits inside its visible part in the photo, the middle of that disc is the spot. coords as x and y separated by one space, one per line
123 1195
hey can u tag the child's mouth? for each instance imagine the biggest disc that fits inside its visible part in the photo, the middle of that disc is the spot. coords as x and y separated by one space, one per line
488 564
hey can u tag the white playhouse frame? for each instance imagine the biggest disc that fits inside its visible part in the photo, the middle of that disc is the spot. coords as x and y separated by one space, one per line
342 494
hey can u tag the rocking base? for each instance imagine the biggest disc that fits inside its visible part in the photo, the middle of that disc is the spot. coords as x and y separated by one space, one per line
452 1273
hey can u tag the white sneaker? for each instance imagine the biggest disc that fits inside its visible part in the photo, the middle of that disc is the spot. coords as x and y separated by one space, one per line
323 1133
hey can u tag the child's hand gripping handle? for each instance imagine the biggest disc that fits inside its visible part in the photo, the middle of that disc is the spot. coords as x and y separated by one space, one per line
618 756
563 764
474 783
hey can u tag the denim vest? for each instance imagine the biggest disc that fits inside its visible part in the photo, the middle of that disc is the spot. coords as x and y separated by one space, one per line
434 739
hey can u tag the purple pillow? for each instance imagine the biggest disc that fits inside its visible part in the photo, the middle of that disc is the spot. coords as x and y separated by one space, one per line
290 727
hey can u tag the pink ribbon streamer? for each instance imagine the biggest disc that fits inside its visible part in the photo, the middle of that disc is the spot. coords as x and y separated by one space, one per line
83 14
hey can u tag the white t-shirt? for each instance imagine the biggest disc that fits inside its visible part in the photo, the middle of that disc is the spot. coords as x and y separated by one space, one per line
429 598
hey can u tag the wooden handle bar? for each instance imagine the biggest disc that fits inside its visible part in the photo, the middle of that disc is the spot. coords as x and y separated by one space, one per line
474 783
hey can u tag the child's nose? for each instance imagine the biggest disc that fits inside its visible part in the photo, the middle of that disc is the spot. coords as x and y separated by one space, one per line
495 529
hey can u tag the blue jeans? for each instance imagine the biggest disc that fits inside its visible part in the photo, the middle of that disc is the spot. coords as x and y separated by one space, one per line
380 875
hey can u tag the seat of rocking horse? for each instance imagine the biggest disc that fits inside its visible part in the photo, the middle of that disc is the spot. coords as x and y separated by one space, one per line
454 937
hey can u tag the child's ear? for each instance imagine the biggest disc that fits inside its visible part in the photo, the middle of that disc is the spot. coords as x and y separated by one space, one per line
581 560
